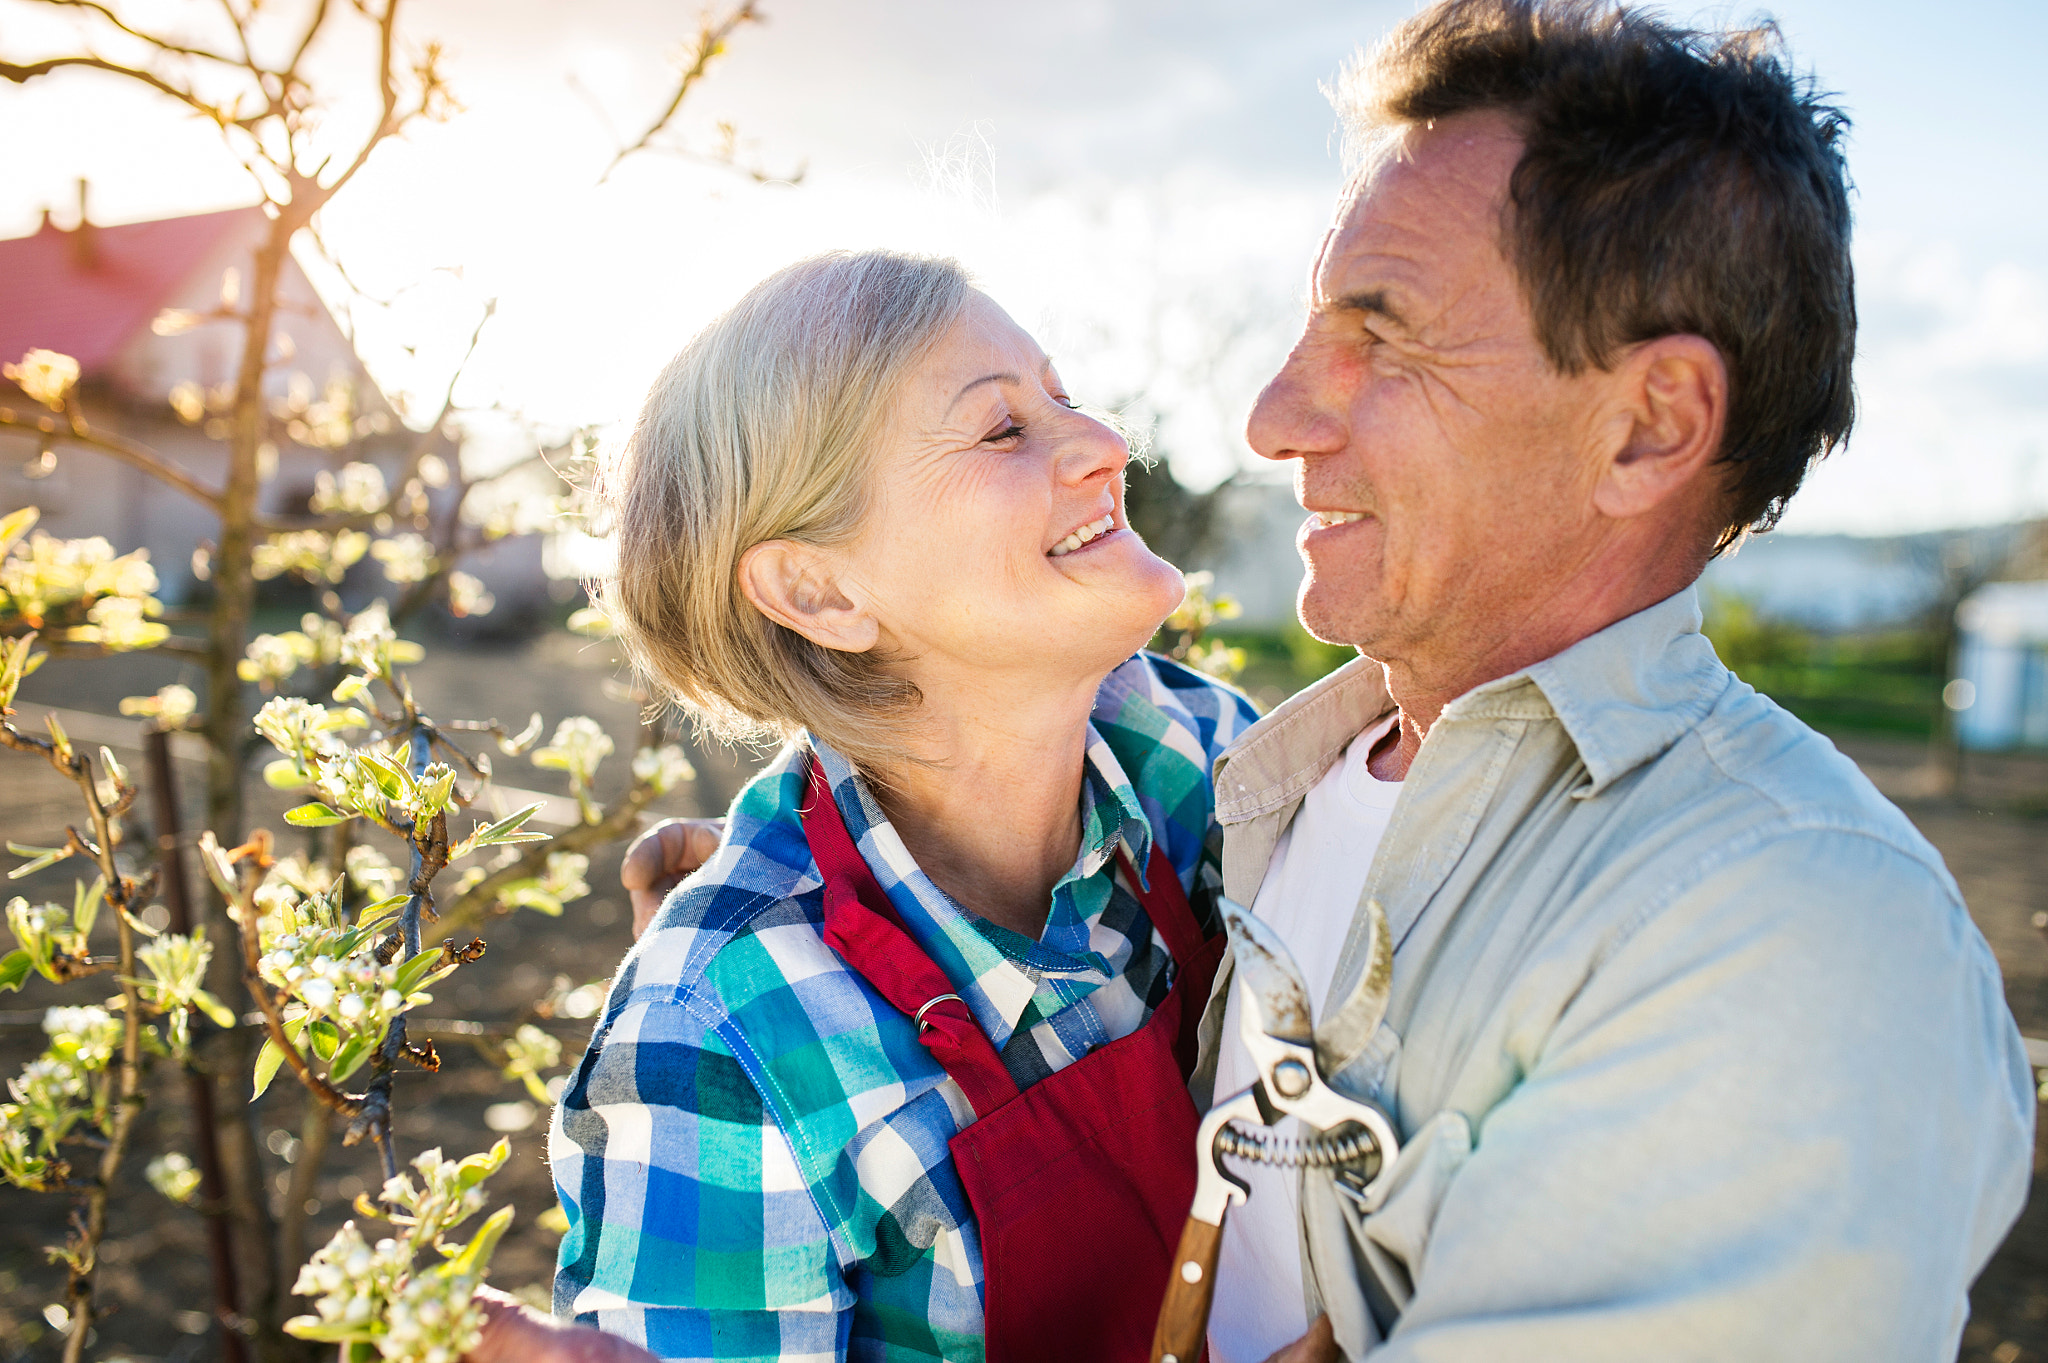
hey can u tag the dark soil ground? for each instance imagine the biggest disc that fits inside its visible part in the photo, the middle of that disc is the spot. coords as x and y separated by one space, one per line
1994 834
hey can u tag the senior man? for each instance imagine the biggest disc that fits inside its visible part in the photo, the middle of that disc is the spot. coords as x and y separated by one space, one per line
1693 1047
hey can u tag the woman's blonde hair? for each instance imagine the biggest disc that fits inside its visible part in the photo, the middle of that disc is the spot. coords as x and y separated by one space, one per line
764 428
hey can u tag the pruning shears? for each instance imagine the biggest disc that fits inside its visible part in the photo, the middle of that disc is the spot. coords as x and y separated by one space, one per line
1350 1135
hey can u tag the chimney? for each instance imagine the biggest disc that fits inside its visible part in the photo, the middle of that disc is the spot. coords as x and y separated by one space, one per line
84 252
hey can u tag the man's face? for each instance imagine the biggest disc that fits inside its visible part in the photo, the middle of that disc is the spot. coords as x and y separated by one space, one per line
1447 463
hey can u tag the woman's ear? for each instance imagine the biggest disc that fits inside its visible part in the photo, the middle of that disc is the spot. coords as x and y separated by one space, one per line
795 585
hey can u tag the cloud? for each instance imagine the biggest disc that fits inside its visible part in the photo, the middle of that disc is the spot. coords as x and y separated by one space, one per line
1952 378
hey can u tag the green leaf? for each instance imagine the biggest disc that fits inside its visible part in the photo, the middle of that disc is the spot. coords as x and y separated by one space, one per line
416 971
474 1169
391 778
342 719
377 912
537 1090
503 829
43 856
267 1061
528 894
326 1036
136 923
14 525
15 967
85 905
477 1253
58 737
314 815
350 1057
328 1332
270 1057
222 1015
284 774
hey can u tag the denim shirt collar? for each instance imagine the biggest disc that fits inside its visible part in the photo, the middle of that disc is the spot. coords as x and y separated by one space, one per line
1623 695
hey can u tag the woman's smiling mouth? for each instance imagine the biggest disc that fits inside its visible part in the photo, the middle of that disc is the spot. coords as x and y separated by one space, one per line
1090 531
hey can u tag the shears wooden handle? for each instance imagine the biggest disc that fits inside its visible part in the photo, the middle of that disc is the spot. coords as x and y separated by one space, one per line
1184 1315
1191 1288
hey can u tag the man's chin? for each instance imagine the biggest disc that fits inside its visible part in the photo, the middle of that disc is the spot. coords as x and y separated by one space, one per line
1332 618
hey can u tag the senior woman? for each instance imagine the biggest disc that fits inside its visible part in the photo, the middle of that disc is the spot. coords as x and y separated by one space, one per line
900 1072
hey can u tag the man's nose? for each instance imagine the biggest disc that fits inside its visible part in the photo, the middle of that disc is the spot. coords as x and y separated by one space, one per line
1295 416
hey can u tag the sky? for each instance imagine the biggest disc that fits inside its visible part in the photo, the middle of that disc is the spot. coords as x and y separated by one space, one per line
1141 183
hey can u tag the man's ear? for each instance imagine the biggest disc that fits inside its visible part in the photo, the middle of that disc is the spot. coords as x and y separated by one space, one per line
795 585
1673 402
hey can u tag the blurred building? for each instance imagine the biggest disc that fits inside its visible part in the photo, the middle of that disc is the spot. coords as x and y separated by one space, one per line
2000 693
145 308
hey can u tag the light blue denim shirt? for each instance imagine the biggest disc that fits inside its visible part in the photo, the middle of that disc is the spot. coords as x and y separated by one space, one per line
1693 1046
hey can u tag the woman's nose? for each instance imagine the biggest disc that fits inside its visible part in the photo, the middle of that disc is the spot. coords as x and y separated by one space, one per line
1092 453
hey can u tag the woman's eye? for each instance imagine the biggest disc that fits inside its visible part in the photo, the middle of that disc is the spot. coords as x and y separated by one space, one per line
1063 400
1009 432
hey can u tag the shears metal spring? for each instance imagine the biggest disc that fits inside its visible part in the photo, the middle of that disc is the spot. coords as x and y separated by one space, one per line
1317 1150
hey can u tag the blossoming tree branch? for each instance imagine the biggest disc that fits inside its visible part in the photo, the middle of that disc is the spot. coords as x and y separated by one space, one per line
314 964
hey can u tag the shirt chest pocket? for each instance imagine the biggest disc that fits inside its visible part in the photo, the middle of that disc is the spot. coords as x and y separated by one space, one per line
1363 1250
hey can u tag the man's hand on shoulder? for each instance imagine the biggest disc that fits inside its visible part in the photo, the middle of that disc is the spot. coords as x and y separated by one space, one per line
659 859
516 1333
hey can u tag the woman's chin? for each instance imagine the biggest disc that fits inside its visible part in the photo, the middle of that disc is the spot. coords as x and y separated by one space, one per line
1151 590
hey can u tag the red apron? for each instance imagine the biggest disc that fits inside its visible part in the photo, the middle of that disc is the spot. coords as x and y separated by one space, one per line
1081 1183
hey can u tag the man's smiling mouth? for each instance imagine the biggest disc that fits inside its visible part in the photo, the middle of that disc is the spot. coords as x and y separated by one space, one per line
1092 530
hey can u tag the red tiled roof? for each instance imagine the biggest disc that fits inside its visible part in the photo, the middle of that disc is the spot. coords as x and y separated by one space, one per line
50 298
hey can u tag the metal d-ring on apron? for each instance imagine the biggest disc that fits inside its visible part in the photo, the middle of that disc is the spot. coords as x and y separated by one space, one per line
1080 1182
917 1018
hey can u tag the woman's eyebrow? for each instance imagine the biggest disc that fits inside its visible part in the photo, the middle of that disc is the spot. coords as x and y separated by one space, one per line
1045 367
986 378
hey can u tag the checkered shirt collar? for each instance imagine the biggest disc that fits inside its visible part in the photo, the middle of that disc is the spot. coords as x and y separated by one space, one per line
998 972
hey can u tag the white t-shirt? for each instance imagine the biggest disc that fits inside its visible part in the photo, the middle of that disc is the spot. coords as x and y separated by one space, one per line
1309 894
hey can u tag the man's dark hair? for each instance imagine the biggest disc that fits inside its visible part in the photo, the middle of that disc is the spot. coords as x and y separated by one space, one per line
1672 182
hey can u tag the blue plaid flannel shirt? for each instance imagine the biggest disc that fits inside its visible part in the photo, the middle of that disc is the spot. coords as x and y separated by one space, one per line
752 1153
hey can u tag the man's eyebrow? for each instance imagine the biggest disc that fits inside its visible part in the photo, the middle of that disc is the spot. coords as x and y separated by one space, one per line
1368 300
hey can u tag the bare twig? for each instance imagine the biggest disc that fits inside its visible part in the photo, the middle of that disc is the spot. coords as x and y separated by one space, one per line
77 431
22 73
160 44
710 46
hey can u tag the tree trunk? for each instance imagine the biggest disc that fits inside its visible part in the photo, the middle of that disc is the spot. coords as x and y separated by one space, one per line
230 1057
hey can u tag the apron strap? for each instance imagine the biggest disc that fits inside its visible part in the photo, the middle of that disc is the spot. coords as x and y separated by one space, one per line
867 932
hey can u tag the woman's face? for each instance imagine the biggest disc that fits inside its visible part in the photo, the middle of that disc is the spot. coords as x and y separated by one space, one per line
996 537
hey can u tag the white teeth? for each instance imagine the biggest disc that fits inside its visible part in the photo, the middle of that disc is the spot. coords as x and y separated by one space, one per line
1086 533
1339 517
